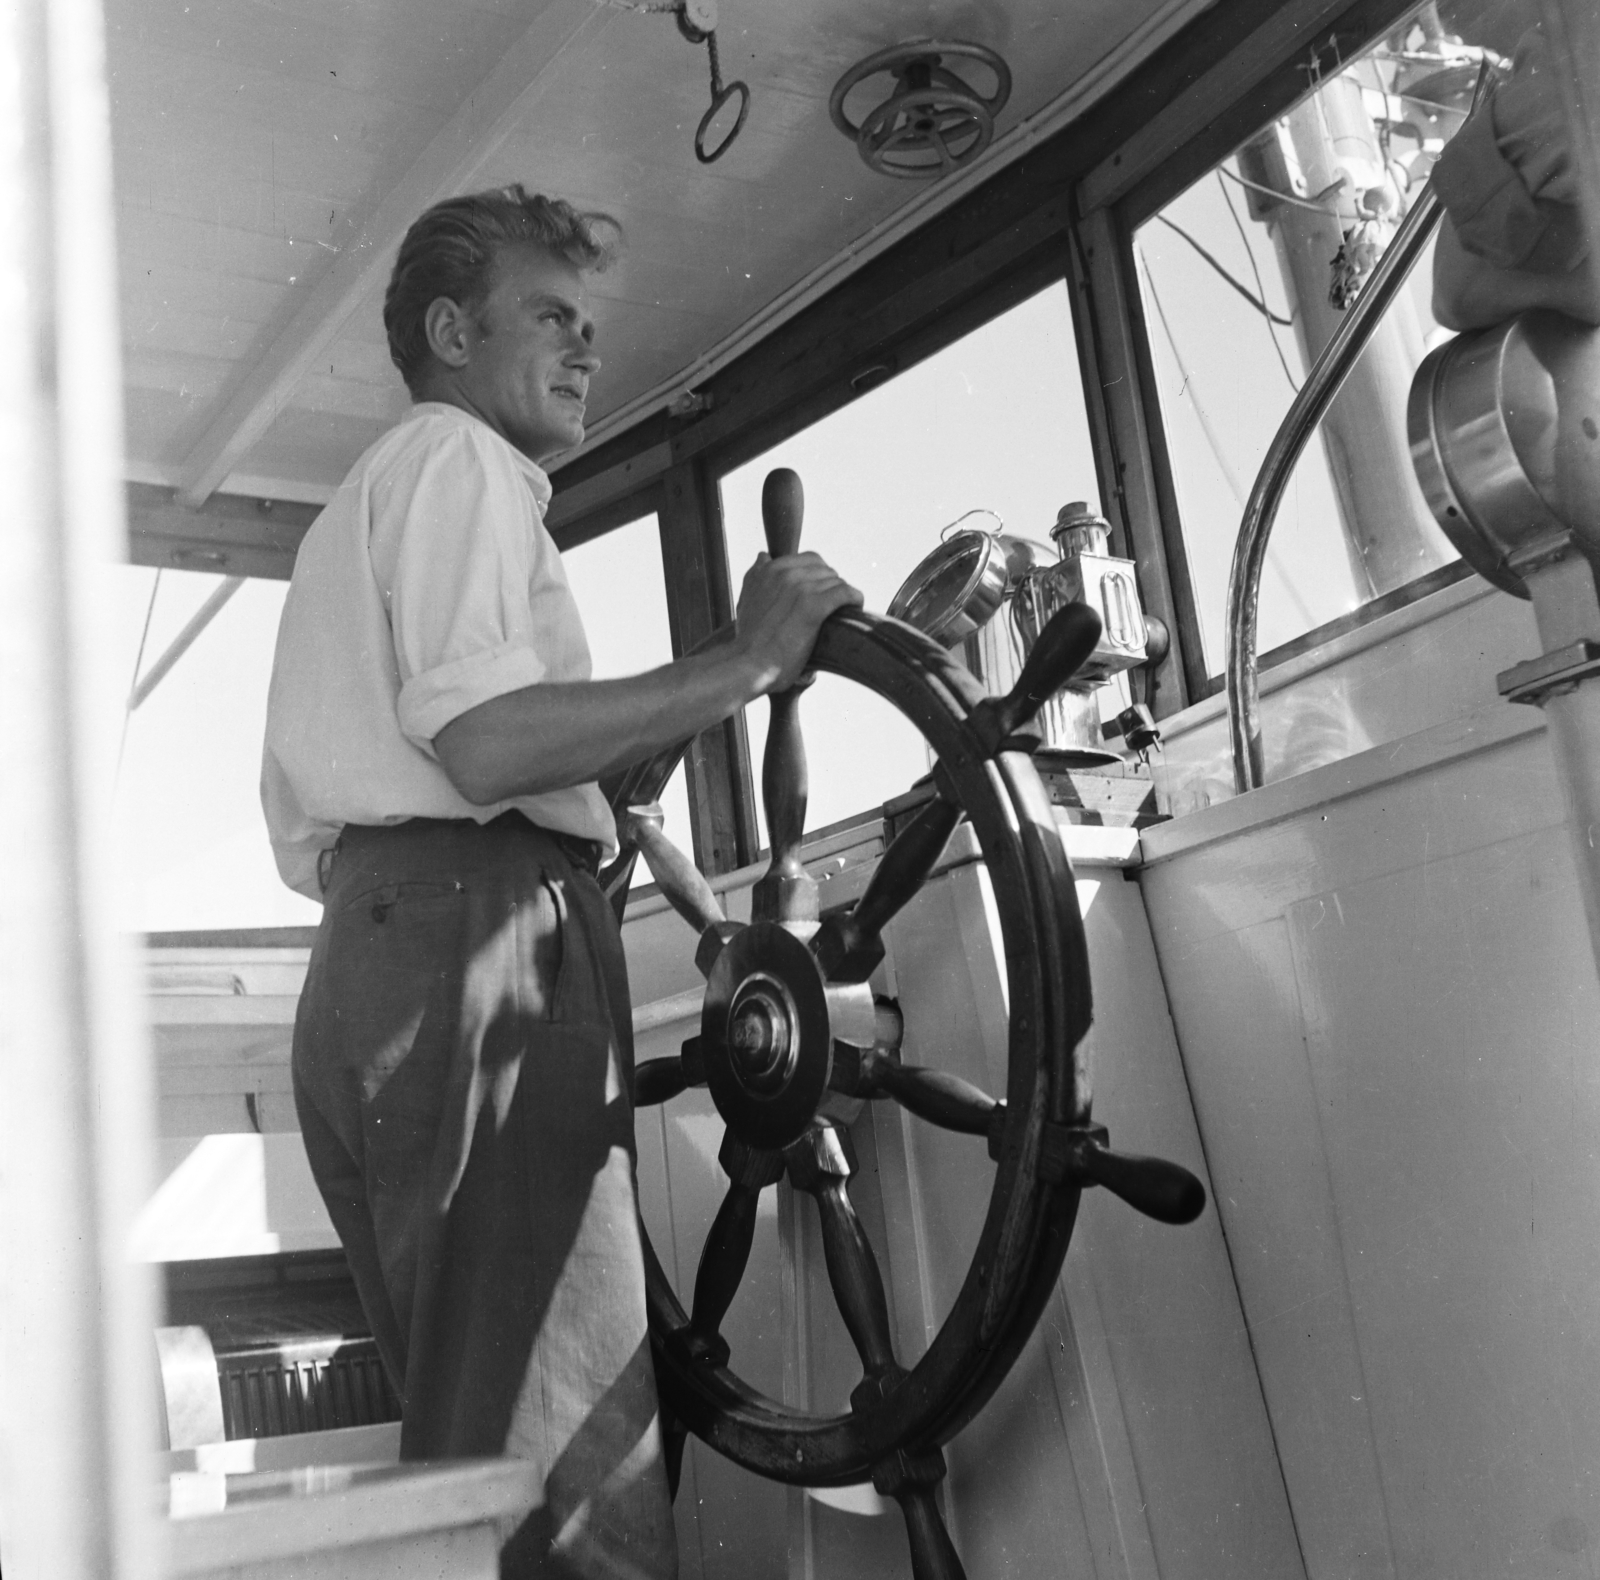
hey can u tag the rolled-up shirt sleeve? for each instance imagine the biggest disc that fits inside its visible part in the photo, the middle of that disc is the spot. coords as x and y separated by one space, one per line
455 566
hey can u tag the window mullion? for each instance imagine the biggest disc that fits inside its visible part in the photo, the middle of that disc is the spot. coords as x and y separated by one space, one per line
699 600
1127 450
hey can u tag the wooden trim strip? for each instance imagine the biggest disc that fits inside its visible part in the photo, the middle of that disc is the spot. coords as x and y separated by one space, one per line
1187 116
616 484
1115 387
228 536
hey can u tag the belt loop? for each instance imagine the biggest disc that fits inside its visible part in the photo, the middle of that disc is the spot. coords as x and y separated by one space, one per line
325 861
584 854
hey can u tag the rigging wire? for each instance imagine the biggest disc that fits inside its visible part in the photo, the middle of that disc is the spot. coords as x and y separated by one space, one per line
1284 197
1243 290
1212 440
1249 253
1215 444
133 683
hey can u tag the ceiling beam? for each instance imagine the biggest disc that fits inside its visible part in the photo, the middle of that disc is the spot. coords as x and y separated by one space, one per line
229 535
613 486
488 115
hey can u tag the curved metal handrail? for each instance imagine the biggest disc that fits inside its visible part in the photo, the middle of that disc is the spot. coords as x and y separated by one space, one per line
1326 378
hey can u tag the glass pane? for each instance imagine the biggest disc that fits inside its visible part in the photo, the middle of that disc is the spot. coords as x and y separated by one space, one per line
622 592
194 845
994 422
1238 279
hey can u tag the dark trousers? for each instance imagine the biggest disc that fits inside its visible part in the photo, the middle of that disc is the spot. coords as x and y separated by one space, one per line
462 1062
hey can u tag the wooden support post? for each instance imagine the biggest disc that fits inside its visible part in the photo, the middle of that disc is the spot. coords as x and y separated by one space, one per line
1104 312
699 599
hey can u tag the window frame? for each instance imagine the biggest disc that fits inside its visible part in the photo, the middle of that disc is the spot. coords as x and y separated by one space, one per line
1065 211
1279 90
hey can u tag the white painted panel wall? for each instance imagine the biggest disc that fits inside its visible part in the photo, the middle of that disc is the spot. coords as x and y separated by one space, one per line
1384 993
1131 1438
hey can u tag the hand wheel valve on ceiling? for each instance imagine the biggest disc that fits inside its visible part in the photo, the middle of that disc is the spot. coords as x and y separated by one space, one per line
934 121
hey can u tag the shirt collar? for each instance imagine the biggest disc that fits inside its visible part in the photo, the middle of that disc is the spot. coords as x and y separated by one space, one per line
538 479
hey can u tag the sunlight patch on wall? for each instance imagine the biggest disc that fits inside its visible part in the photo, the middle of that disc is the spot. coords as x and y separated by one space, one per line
232 1195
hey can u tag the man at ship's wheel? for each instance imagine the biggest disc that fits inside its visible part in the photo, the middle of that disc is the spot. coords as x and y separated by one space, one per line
462 1054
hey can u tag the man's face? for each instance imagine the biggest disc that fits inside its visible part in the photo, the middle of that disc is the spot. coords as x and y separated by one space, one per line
531 352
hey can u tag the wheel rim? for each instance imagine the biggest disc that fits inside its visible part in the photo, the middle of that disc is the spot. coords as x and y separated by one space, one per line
1029 1220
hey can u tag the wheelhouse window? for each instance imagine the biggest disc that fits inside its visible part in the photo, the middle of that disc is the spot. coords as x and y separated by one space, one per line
195 854
1243 280
194 849
996 423
621 593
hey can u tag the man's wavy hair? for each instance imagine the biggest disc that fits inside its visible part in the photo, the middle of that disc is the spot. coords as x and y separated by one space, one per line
450 251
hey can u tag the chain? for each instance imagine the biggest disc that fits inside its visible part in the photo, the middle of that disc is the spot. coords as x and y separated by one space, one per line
720 92
716 65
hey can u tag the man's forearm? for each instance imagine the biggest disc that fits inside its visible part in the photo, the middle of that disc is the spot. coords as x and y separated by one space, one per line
545 737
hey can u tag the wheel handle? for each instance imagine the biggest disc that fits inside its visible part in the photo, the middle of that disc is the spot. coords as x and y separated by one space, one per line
1063 648
786 892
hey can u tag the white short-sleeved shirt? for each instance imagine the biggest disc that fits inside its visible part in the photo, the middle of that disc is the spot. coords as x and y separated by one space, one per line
427 586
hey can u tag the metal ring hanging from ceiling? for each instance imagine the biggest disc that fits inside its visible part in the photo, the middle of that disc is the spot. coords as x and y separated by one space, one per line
934 121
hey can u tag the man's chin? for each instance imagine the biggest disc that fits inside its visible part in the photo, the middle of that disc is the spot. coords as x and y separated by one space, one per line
555 442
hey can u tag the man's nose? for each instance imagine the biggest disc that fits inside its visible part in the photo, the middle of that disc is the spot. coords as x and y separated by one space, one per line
582 355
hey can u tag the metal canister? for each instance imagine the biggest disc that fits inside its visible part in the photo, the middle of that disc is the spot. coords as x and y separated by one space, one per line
957 588
1089 573
995 592
995 653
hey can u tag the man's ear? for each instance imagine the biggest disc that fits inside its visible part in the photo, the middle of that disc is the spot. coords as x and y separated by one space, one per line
451 331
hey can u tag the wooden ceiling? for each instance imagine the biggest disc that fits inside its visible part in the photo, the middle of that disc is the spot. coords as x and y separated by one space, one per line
270 153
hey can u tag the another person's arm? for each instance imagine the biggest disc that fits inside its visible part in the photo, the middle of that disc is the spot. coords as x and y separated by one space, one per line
1511 237
550 735
1470 292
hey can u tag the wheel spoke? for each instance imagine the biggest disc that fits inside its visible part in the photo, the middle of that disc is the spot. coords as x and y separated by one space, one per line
933 1554
934 1095
683 884
658 1081
786 892
1165 1191
849 947
1063 648
727 1249
821 1164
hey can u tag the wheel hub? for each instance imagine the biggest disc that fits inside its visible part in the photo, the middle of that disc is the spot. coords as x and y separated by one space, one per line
766 1035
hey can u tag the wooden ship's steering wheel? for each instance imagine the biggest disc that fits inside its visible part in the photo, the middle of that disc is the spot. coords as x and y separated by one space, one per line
789 1016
